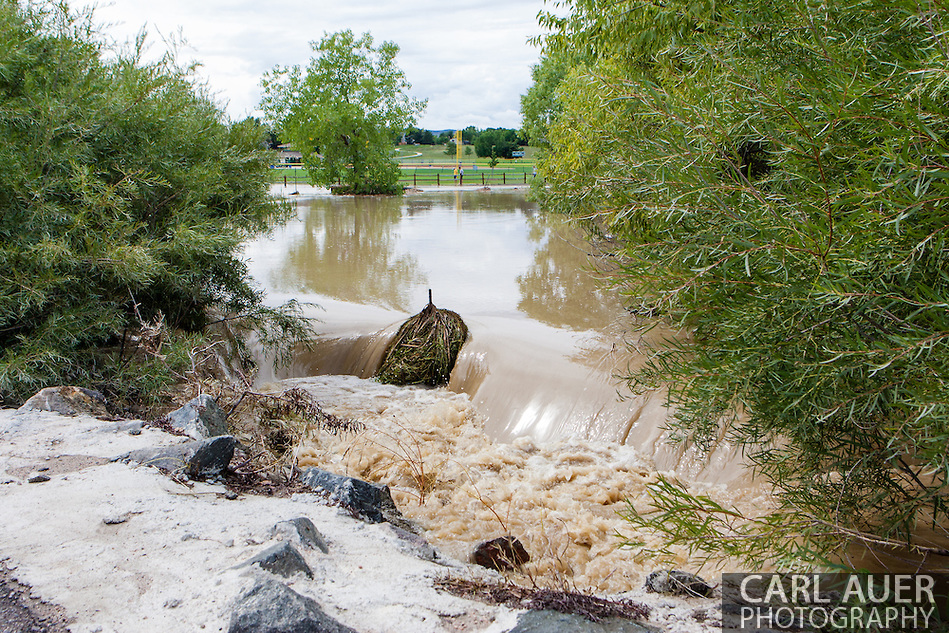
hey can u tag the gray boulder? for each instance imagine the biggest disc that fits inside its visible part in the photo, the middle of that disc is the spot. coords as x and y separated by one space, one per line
201 418
677 583
197 460
71 401
556 622
282 559
414 545
271 607
303 532
367 501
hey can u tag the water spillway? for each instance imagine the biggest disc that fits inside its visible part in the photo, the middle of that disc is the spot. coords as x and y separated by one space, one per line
536 434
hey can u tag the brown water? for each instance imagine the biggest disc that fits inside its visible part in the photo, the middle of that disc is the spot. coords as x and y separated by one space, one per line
536 434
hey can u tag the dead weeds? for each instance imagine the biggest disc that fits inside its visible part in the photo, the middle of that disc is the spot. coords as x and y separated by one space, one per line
592 608
269 426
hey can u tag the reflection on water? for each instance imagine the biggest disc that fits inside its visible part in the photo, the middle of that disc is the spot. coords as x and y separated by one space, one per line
546 339
559 287
346 249
481 253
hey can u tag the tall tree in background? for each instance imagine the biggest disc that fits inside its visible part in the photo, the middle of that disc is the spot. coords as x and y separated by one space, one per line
776 178
343 111
498 142
124 198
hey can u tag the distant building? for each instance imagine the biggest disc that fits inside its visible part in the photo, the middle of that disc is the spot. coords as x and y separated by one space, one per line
286 155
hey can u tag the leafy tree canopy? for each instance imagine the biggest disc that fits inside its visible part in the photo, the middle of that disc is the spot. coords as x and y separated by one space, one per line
469 134
774 176
124 197
540 106
343 110
498 142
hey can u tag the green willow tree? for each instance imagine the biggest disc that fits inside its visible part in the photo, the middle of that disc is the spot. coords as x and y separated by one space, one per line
540 105
775 177
124 198
343 111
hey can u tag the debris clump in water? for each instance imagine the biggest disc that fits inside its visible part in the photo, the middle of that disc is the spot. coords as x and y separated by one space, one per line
424 349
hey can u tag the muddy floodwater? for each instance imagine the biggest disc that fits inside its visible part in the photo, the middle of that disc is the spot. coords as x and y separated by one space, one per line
536 433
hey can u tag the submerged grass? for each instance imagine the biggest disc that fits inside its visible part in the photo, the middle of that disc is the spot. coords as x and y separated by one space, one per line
424 349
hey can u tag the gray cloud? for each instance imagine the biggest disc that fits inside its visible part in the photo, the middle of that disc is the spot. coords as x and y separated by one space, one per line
470 59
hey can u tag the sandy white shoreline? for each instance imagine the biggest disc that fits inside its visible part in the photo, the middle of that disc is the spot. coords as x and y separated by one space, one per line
125 549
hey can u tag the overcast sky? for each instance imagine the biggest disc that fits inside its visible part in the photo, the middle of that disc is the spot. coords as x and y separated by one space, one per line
469 58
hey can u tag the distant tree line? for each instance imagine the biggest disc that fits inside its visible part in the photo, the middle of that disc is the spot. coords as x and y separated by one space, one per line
498 142
415 136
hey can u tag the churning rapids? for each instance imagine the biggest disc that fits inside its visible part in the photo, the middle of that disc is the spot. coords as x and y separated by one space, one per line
536 434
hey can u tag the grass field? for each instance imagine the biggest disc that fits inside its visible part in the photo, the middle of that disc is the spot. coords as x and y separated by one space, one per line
301 175
435 154
430 165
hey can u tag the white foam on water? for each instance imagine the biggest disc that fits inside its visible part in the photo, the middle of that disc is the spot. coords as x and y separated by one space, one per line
562 497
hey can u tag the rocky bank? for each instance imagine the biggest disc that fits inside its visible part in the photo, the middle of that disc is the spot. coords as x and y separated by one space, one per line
115 526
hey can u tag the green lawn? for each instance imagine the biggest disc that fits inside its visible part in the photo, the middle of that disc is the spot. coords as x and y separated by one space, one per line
434 154
429 165
301 175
